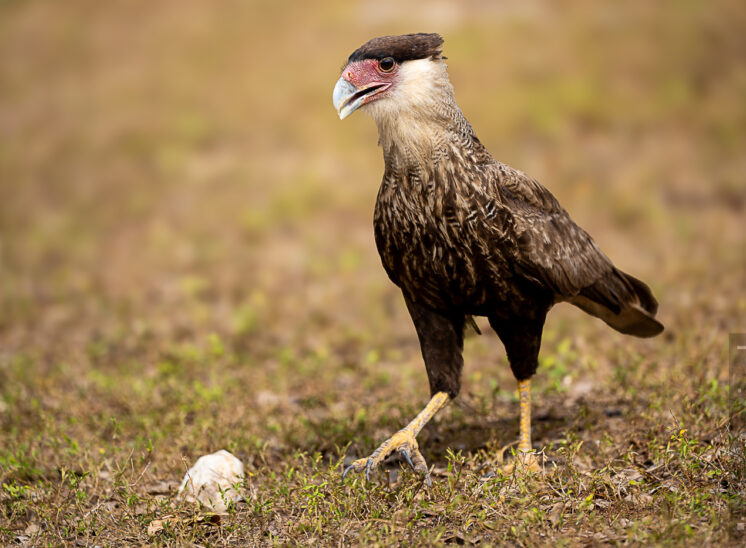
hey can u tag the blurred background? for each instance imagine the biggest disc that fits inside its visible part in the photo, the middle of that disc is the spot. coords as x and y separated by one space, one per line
179 166
186 243
178 199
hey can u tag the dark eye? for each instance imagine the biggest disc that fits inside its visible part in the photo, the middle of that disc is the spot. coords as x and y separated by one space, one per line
387 64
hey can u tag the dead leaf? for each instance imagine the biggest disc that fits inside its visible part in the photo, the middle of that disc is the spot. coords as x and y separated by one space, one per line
639 498
158 525
630 474
456 538
161 487
555 514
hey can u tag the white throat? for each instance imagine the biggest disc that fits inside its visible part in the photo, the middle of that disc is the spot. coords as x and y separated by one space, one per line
412 116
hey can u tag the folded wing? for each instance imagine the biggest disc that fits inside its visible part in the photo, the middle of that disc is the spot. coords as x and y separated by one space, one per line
556 253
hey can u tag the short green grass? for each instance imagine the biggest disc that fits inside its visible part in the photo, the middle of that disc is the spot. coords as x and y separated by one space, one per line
187 264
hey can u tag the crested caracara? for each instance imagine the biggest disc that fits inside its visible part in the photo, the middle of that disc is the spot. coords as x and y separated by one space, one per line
464 235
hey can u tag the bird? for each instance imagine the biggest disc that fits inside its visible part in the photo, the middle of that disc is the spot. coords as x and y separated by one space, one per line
464 235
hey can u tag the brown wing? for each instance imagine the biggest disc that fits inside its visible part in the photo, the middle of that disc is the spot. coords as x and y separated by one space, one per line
556 253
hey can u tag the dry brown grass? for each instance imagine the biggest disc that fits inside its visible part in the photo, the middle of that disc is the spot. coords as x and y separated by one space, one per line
187 264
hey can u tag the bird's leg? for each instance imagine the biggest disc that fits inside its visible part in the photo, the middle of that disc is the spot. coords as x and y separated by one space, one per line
441 342
522 339
403 441
526 458
524 396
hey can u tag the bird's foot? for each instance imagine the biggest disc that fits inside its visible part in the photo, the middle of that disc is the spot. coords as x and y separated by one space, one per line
523 463
405 443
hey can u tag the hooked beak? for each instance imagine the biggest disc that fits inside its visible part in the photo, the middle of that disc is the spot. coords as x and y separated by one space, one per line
347 98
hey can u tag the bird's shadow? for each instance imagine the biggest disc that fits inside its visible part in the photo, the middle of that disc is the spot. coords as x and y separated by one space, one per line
468 430
477 433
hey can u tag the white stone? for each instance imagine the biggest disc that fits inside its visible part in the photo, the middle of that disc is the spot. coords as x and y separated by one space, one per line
215 480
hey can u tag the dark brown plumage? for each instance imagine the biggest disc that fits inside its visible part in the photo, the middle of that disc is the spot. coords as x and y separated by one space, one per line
462 234
402 48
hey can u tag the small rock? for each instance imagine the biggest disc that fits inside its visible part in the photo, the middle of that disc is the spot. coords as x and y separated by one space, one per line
214 480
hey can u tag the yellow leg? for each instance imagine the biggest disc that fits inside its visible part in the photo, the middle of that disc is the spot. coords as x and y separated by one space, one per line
403 441
524 395
526 458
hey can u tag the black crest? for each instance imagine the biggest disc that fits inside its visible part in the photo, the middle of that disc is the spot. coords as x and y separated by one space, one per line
406 47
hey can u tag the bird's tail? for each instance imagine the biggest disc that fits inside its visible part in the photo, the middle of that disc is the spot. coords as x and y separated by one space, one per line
623 302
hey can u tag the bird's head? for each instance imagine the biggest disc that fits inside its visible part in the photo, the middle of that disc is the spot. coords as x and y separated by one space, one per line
390 75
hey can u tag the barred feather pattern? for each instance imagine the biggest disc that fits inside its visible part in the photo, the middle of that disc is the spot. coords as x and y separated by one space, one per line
459 230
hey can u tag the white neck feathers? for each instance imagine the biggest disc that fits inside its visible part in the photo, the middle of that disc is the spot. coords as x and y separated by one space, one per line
415 115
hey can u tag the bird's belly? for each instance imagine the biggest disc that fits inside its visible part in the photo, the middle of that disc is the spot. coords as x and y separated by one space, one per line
444 268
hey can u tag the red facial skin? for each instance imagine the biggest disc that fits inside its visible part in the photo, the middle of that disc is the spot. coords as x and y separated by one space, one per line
367 73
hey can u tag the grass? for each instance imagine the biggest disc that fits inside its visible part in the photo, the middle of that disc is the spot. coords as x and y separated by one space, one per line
187 264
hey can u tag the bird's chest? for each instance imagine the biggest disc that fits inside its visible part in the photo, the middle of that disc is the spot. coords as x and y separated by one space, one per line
426 239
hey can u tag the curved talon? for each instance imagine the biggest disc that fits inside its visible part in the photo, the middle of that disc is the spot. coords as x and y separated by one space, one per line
405 443
405 454
356 466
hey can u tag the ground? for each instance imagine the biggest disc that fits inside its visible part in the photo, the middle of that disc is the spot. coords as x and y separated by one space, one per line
187 264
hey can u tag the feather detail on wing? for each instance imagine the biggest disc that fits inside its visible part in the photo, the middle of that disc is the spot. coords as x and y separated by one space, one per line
557 254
